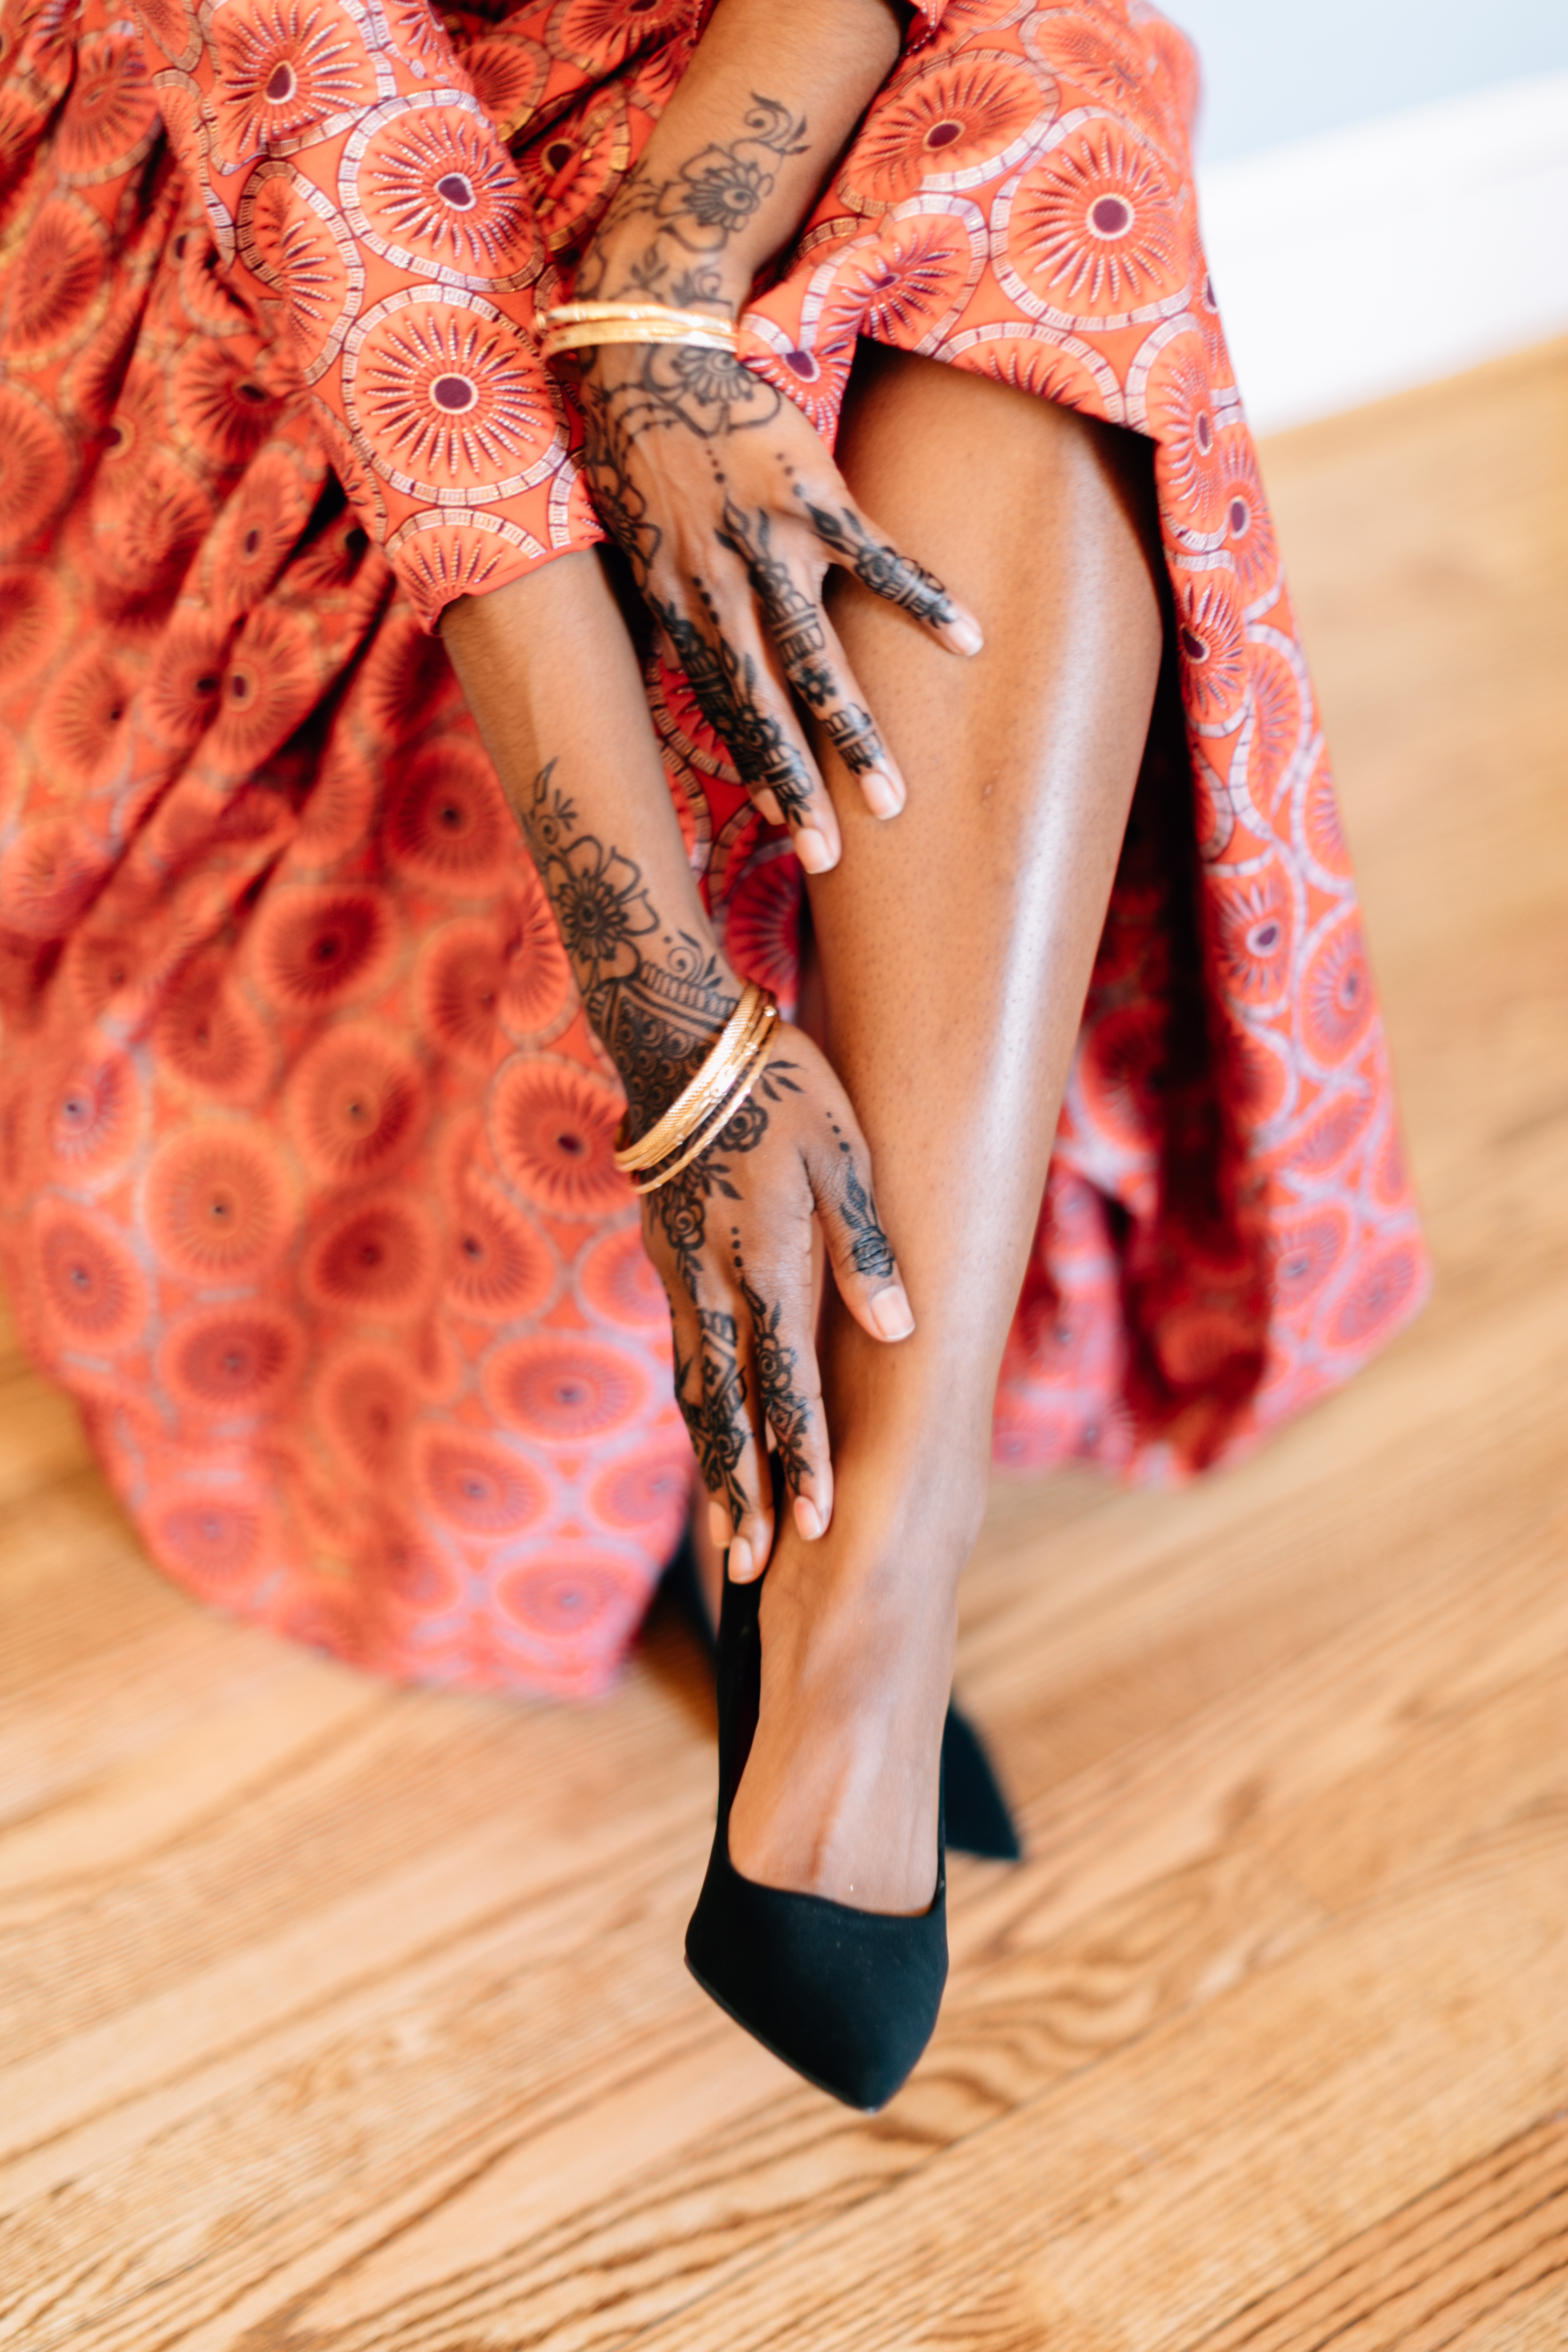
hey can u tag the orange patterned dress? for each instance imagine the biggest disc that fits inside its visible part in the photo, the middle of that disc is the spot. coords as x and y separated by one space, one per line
306 1191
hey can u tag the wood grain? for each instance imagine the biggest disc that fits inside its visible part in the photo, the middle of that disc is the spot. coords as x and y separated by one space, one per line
340 2018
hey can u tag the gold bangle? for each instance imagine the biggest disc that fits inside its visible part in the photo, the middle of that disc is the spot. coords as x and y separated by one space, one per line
591 336
656 1147
755 1012
576 314
580 326
719 1122
674 1124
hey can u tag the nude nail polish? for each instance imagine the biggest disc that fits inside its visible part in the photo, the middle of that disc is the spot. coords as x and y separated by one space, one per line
807 1517
964 634
883 797
811 849
741 1560
891 1314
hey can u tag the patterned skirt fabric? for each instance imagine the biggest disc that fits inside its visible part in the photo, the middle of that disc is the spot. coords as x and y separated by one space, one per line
306 1189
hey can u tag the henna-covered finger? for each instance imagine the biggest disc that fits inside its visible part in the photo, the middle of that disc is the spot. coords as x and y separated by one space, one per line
789 1386
852 541
733 1459
858 1251
811 657
847 723
735 683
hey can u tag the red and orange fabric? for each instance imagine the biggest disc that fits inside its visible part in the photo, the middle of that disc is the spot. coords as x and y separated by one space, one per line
306 1189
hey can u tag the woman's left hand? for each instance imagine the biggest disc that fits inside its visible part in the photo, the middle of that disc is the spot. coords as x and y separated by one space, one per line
729 511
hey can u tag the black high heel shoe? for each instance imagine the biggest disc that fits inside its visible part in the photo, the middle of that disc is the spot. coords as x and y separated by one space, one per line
978 1819
847 1998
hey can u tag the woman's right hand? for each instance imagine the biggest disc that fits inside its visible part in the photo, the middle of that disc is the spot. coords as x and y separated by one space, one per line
732 1237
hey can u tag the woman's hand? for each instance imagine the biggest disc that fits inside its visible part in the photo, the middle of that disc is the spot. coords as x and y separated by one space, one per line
729 511
727 505
732 1237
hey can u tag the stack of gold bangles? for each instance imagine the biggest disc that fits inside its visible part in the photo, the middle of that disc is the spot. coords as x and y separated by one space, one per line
577 326
714 1096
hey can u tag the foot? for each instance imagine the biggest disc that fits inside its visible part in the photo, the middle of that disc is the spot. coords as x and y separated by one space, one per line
840 1794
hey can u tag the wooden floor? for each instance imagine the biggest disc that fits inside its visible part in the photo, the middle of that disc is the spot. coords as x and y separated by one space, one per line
340 2019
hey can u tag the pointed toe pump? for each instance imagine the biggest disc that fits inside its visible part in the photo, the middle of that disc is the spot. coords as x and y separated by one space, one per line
979 1820
847 1998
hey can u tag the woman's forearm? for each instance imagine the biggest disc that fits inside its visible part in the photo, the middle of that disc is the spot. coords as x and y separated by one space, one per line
553 681
771 93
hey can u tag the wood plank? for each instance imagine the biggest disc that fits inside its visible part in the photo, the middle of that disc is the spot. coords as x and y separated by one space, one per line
1142 2206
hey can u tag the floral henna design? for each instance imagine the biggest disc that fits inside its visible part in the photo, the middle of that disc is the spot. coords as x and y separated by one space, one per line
694 213
788 1412
656 998
680 1207
715 1415
871 1253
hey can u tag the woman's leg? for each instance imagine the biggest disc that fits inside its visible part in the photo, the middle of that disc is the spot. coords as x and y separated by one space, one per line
956 946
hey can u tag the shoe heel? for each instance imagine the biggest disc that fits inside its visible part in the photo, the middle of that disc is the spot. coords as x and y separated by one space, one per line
847 1997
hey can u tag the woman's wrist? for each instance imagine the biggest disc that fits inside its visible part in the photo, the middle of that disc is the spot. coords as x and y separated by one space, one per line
735 163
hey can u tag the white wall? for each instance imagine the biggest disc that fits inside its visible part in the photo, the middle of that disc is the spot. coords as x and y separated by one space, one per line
1279 69
1384 187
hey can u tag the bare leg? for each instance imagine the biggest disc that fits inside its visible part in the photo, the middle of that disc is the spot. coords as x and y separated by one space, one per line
956 945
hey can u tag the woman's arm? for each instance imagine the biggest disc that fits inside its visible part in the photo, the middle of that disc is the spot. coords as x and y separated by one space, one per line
550 676
725 502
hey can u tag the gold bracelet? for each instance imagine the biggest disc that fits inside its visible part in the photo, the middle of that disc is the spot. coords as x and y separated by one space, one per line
719 1122
579 326
714 1097
697 1098
755 1012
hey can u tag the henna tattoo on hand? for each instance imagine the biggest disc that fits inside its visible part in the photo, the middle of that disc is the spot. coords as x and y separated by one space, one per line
852 731
656 998
715 1414
896 578
724 682
680 1208
787 1411
870 1252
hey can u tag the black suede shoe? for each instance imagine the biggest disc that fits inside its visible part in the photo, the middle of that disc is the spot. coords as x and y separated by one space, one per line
847 1998
978 1819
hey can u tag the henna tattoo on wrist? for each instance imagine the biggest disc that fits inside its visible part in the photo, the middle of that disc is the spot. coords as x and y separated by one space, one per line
656 998
690 217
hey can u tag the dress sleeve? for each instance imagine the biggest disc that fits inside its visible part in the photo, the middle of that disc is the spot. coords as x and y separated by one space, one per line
361 200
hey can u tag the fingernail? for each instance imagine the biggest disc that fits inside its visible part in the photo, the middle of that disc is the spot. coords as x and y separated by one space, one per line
811 849
964 634
718 1524
891 1313
740 1569
767 804
807 1517
883 797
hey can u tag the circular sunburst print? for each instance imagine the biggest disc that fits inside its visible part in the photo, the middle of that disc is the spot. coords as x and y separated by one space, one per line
956 123
445 398
426 181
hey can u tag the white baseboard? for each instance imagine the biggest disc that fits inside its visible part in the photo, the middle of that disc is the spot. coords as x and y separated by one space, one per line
1373 259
